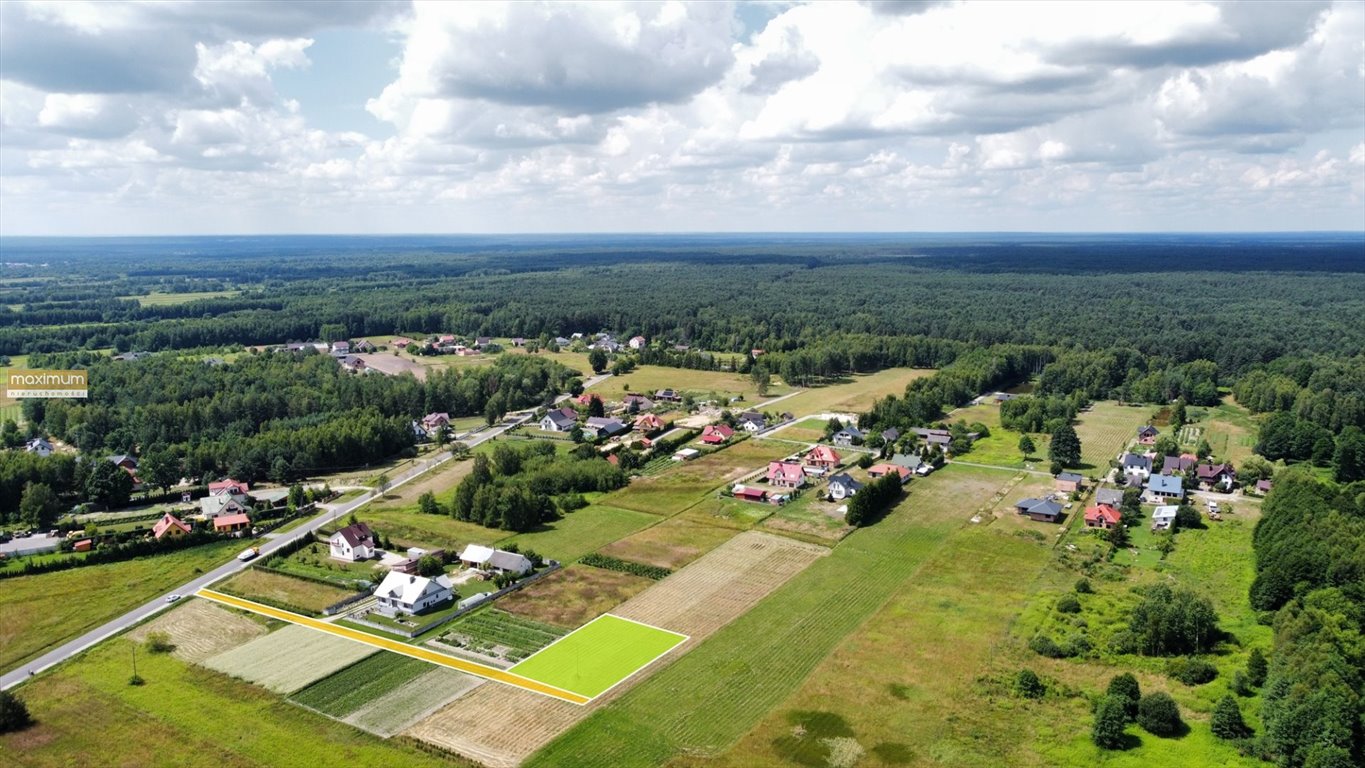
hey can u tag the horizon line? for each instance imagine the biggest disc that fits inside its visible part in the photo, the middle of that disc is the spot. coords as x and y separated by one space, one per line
703 233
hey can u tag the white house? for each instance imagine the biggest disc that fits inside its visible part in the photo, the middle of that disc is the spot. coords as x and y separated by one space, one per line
559 420
494 560
354 542
637 342
1163 517
39 446
1164 489
752 421
842 486
1135 465
223 504
408 593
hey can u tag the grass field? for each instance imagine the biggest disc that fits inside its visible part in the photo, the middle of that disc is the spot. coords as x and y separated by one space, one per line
574 595
582 531
753 663
348 690
168 299
199 629
683 485
40 612
184 716
315 560
598 655
1230 430
289 658
1001 447
408 527
856 395
670 544
305 596
700 384
1105 429
809 515
810 430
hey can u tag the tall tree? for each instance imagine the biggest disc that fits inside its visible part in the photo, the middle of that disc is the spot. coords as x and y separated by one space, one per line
1110 718
1065 447
1026 445
108 483
597 359
38 507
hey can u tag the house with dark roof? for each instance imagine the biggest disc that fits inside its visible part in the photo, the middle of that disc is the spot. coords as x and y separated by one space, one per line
752 421
1146 434
603 426
559 420
1102 516
638 402
668 396
1136 465
1068 482
1172 465
1111 496
1042 510
1215 476
910 461
843 486
891 435
354 542
1163 489
1263 487
849 435
39 446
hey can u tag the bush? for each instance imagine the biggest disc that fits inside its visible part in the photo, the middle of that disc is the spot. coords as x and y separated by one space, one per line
1191 671
1159 715
136 680
624 566
1046 646
1257 668
14 714
1083 587
1027 685
1227 722
1110 719
1069 604
159 642
1125 688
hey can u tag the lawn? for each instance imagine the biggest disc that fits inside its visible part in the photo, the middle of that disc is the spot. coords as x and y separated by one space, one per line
38 613
315 561
168 299
598 655
1001 447
408 527
1105 429
301 595
810 430
856 395
685 483
649 379
348 690
752 664
582 531
810 515
183 715
574 595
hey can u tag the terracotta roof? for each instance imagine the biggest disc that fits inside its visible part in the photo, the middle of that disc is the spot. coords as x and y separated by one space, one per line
227 521
167 522
1103 512
822 454
791 472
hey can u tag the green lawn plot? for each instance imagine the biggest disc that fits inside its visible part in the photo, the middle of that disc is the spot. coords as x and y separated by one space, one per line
582 531
1230 429
680 486
810 516
408 527
592 659
810 430
1001 447
315 561
168 299
753 663
726 511
1105 429
853 396
344 692
700 384
670 544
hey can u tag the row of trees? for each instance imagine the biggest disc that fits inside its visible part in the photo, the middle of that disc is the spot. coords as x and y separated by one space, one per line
515 489
873 500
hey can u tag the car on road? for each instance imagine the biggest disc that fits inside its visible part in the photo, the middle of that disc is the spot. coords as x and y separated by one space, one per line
248 553
172 598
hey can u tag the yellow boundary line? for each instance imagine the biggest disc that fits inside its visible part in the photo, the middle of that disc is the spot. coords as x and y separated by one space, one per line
413 651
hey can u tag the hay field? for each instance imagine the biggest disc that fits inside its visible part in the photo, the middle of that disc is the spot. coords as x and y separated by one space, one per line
289 658
670 544
200 629
1105 429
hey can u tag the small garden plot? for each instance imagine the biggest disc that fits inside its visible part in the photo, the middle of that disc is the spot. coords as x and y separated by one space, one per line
200 629
390 713
670 544
811 429
315 561
350 689
574 595
598 655
687 482
300 595
721 510
500 635
289 658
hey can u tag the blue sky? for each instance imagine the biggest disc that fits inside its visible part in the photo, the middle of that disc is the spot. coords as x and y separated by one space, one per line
921 115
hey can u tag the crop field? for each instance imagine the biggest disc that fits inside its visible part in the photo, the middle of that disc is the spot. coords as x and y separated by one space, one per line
42 611
581 531
753 663
349 689
289 658
492 627
1105 429
184 716
305 596
652 378
573 596
199 629
670 544
856 395
599 655
684 485
403 706
497 725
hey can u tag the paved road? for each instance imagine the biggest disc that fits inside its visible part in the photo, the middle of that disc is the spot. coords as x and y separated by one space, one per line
67 650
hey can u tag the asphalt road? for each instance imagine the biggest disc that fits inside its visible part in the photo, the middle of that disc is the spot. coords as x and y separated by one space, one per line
62 653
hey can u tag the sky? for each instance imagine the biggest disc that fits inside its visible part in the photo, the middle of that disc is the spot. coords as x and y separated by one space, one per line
278 117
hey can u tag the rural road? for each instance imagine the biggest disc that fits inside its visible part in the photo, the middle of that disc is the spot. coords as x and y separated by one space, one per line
67 650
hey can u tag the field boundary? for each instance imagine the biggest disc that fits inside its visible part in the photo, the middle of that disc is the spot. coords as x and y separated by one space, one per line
461 665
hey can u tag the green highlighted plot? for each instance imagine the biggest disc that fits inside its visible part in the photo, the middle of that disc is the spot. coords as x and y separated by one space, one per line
598 655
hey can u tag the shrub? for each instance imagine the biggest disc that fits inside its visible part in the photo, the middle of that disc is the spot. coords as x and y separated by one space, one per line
1227 722
159 642
14 714
1125 688
1083 587
1257 668
1191 671
1027 685
136 680
1069 604
1107 732
624 566
1046 646
1159 715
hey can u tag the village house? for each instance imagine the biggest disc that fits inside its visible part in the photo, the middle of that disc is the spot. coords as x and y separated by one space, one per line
215 506
353 364
601 426
1111 496
752 421
636 342
412 562
341 348
230 487
1163 517
401 342
586 398
715 434
559 420
362 345
686 454
560 341
39 446
638 403
786 474
1135 465
490 560
1163 488
668 396
1215 476
1146 434
648 423
518 341
232 523
1102 516
891 435
1042 510
822 458
1068 482
878 470
1263 487
482 341
843 486
433 423
169 526
411 594
848 436
354 542
1171 465
910 461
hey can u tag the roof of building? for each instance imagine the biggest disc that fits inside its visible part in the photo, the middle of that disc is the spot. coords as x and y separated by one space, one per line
167 522
229 485
1165 484
227 521
496 558
1136 460
1070 477
1039 507
38 443
1212 471
562 417
887 467
1146 429
1164 512
436 418
123 458
408 588
753 417
823 454
846 480
355 535
891 434
789 471
1111 496
1171 464
605 424
907 460
215 505
1262 485
718 429
1103 512
850 430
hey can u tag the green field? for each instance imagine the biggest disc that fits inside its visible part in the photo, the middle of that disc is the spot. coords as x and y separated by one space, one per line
184 716
300 595
1230 430
352 688
700 384
1001 447
40 612
598 655
581 531
854 396
1104 430
167 299
686 482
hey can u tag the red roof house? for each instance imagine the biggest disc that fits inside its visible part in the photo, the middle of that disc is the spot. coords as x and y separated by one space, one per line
750 494
786 474
587 397
1102 516
648 423
228 486
231 522
822 456
877 470
169 525
715 434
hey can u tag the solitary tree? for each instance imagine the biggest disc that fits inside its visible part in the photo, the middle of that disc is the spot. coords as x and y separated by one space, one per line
1065 447
1178 414
381 483
1026 446
598 360
1110 718
1159 715
1204 450
1227 722
1125 688
13 713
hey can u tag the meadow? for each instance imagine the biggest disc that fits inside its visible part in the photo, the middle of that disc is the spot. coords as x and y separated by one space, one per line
855 395
648 379
1105 429
573 596
670 544
40 612
157 299
581 531
1229 428
299 595
687 482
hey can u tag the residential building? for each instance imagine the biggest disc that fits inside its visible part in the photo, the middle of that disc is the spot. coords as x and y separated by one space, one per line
412 594
341 348
1172 465
1146 434
822 458
354 542
1111 496
1042 510
1164 488
1263 487
648 423
910 461
1135 465
1068 482
433 423
637 342
213 507
747 493
601 426
230 487
169 526
668 396
1163 517
353 364
1102 516
847 436
715 434
891 435
638 402
1215 476
238 521
559 420
786 474
39 446
752 421
843 486
493 560
878 470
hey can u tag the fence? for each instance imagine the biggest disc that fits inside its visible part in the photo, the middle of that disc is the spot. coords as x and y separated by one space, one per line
340 605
